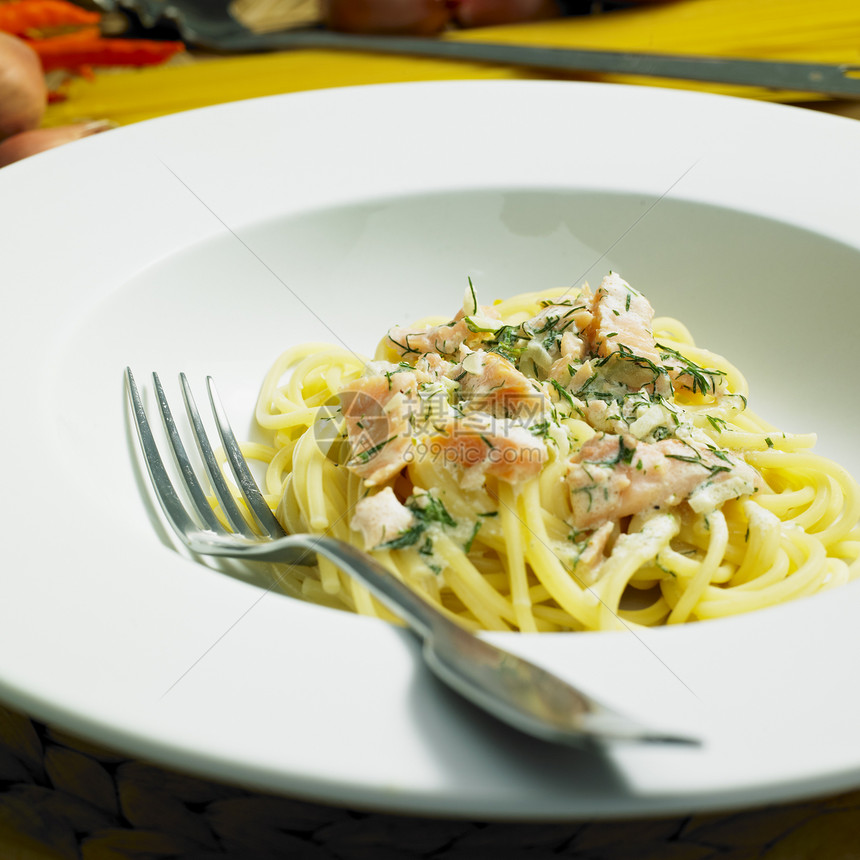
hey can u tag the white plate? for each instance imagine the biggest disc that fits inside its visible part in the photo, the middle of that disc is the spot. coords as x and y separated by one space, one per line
370 206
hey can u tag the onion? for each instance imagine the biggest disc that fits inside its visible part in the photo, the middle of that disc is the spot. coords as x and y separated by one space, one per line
419 17
23 94
487 13
38 140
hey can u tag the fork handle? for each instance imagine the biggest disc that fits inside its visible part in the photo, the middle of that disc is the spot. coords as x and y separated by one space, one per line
509 687
420 615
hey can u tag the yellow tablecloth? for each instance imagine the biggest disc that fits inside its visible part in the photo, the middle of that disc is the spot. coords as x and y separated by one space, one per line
800 30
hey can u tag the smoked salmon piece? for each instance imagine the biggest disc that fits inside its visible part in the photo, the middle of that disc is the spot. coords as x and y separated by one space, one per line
481 444
612 477
573 316
377 410
490 383
445 339
620 330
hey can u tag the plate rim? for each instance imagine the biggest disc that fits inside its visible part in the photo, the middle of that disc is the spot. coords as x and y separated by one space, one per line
86 153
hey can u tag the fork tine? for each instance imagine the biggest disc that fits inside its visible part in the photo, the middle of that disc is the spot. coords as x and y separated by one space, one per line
170 502
195 491
216 478
243 475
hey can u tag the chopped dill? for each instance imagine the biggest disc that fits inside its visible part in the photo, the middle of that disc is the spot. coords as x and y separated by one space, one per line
467 547
364 456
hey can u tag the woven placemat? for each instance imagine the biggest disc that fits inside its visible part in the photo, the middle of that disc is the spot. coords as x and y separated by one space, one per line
64 798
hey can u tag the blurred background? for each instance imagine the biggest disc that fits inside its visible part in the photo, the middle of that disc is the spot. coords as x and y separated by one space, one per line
74 68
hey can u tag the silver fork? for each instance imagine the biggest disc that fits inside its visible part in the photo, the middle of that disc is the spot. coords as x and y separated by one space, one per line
510 688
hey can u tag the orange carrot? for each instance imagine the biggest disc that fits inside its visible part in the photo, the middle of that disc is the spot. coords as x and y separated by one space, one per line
25 17
74 51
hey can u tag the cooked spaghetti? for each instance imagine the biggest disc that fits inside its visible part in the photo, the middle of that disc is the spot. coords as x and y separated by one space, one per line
555 461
